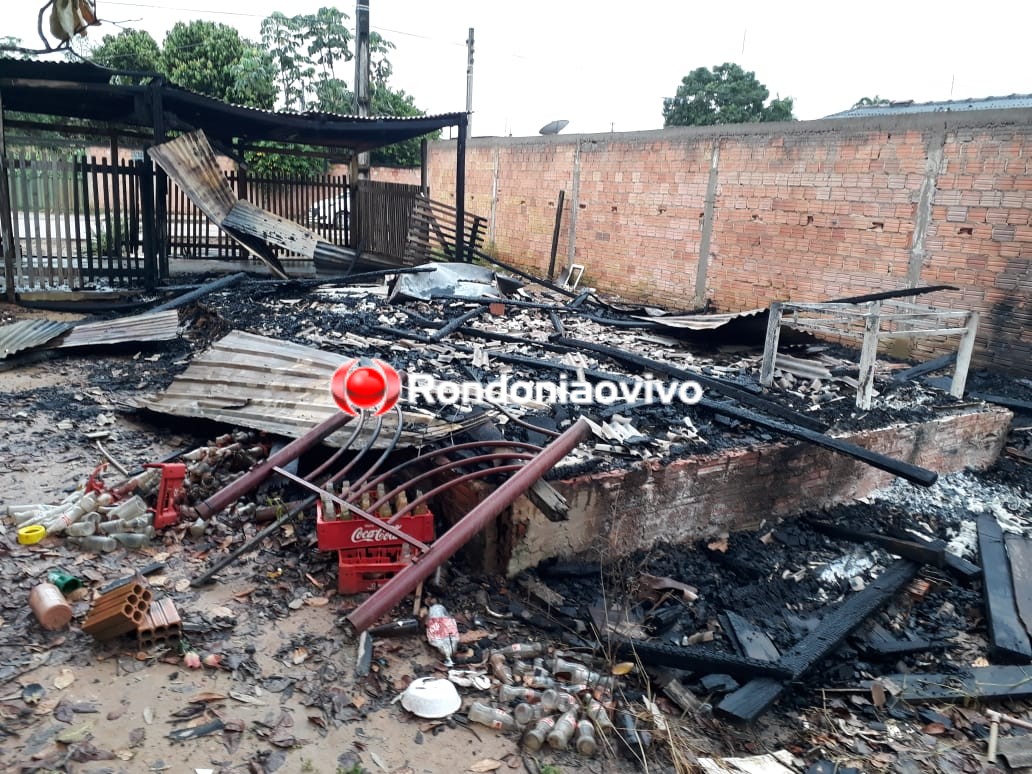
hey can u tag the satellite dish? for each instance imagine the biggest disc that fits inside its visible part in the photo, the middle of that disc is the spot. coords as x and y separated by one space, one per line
553 128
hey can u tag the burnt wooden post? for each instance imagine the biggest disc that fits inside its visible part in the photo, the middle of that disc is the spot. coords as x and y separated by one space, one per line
555 233
6 218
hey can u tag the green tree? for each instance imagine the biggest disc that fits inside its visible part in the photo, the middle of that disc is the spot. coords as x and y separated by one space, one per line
870 102
726 94
213 59
282 38
128 50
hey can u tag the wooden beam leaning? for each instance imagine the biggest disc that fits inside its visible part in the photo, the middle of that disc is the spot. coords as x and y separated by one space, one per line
752 699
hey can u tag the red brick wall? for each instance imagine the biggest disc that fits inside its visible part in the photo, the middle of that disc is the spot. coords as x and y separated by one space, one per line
804 212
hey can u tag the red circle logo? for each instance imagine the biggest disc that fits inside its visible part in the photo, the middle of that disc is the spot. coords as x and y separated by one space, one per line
365 385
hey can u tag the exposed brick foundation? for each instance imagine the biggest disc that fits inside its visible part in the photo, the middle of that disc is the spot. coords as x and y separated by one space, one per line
621 511
805 212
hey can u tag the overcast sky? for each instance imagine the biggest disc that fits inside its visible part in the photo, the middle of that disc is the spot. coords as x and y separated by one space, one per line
606 65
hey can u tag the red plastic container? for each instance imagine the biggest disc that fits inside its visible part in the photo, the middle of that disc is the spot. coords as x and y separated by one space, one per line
368 556
172 476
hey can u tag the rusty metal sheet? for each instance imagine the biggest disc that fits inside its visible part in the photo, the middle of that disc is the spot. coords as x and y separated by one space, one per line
269 227
160 326
26 334
190 161
279 387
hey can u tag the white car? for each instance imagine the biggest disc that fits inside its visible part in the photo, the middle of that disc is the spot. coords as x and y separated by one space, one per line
330 212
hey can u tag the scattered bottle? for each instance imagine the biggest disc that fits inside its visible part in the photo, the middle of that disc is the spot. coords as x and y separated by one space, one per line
586 744
130 539
555 699
100 543
500 668
522 649
560 736
442 632
535 738
508 693
527 713
384 511
595 710
400 502
491 717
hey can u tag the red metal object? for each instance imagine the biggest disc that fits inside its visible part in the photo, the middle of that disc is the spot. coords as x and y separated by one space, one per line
395 589
263 470
172 476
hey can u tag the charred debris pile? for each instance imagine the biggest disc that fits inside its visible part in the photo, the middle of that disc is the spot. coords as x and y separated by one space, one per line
850 621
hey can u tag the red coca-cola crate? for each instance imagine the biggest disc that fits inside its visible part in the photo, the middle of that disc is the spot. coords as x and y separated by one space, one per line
337 534
368 556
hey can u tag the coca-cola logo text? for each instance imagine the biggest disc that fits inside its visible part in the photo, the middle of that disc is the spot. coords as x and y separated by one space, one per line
370 535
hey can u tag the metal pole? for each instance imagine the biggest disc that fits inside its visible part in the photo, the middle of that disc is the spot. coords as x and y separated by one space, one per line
362 97
392 592
460 191
469 84
10 253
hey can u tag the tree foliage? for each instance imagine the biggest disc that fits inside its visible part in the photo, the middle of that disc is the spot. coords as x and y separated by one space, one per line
128 50
870 102
213 59
725 94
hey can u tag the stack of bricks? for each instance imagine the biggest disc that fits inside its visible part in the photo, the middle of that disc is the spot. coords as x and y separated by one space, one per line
161 624
118 611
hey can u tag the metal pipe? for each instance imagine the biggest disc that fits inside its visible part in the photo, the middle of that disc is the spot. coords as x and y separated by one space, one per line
263 470
386 452
394 590
335 457
371 485
449 465
482 473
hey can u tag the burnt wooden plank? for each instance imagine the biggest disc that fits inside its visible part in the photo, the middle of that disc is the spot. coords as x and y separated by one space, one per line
878 642
994 682
753 698
752 642
1008 640
908 549
1019 553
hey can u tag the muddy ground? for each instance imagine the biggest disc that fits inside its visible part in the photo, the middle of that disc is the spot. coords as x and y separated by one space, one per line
285 692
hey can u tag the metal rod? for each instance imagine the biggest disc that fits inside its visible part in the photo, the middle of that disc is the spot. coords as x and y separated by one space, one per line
394 590
263 470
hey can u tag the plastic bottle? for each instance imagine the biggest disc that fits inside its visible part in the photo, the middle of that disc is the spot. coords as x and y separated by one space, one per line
586 744
491 717
535 738
527 713
560 736
102 543
442 632
50 607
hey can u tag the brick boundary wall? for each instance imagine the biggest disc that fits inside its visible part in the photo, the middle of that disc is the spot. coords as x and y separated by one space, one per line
805 211
614 513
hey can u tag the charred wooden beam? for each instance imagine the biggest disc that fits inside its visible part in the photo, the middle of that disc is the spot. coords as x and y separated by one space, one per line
752 699
886 294
925 368
1019 552
908 549
1008 640
751 641
454 324
962 568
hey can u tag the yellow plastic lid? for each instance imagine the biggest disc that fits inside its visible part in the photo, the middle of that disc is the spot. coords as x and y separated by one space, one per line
27 536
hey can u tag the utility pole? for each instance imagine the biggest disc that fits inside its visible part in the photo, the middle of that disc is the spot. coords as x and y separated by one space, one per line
469 84
359 167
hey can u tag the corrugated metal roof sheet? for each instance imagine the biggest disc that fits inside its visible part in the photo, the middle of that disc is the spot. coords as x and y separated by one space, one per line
699 322
26 334
161 326
276 386
946 106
